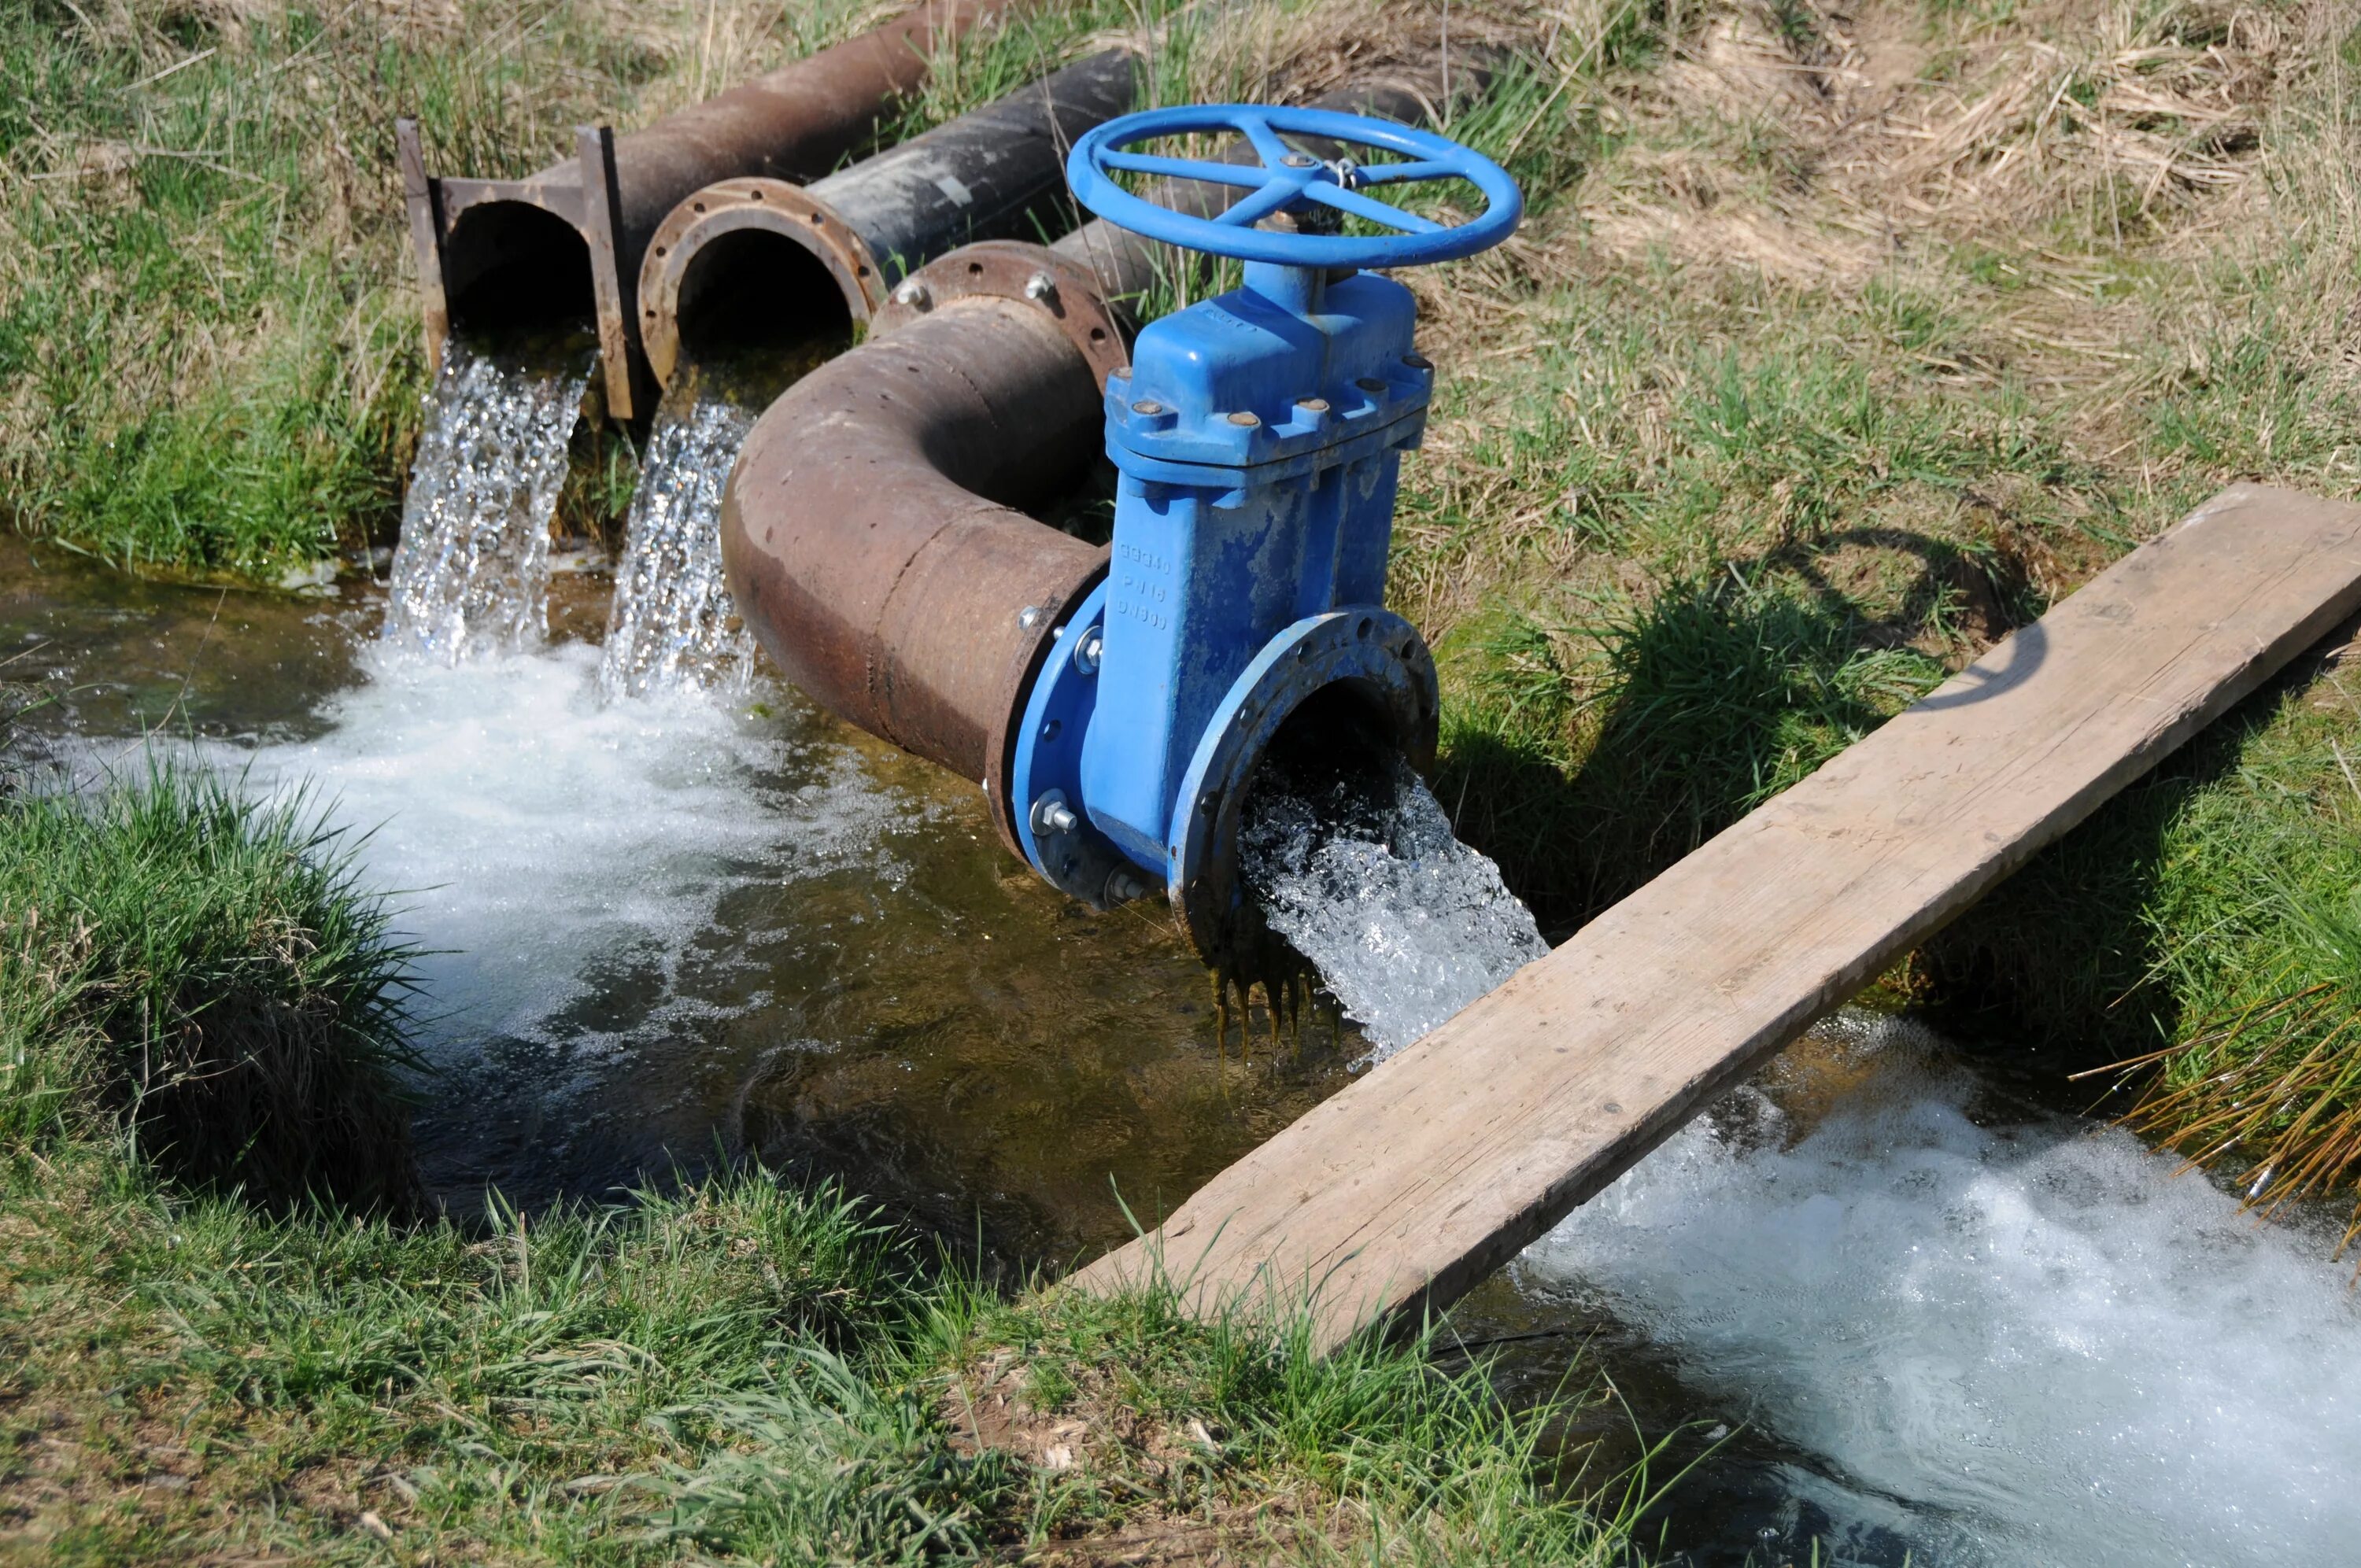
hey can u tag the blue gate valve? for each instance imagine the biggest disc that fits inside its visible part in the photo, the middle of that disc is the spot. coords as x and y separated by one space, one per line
1256 437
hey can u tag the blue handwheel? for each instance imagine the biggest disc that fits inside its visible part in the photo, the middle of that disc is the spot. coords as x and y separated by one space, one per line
1286 179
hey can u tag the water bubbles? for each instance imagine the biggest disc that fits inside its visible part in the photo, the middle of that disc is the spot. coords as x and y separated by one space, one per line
1406 925
471 573
673 624
1984 1338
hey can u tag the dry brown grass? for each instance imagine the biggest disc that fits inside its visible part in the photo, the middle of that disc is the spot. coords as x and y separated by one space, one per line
2076 188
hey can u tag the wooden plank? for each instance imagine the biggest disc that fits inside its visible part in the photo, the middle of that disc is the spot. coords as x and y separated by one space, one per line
1440 1165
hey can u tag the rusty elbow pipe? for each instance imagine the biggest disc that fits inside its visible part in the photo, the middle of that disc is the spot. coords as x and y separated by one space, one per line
566 244
763 261
870 538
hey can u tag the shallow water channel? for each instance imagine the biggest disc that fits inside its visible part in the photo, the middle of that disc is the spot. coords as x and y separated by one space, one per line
1885 1296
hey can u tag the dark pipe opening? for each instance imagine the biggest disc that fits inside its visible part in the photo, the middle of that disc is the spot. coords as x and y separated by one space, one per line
509 265
754 293
1337 751
1338 755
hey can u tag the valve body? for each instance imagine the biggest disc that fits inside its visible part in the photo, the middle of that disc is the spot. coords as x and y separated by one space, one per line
1258 438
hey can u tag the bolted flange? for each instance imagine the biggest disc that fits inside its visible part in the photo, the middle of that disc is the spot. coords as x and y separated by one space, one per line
1013 269
739 206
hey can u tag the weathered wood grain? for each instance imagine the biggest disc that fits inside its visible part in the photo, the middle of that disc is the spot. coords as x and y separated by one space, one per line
1420 1178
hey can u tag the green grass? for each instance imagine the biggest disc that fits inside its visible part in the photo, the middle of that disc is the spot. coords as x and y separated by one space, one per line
228 1332
738 1370
201 971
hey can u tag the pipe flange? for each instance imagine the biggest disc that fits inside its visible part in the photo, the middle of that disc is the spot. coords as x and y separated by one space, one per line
1065 291
1370 647
1051 832
731 206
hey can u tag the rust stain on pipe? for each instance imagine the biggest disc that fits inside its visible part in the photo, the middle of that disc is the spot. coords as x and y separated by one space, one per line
567 242
870 538
735 261
1121 265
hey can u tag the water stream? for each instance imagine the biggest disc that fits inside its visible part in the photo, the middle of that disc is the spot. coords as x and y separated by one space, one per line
673 624
1960 1326
1366 878
1895 1300
471 571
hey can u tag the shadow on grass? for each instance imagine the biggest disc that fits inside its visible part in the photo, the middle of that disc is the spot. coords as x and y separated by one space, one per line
1600 753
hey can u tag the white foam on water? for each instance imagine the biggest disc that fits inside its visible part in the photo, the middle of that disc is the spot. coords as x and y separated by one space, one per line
673 623
2017 1343
1405 924
553 841
471 570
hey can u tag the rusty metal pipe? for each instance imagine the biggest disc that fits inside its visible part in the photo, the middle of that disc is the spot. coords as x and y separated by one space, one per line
1117 267
757 259
567 242
870 538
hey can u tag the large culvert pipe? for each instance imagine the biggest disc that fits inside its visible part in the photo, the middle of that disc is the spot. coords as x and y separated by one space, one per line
565 244
763 262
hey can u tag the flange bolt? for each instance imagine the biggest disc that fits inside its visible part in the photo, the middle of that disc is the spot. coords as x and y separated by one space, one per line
915 295
1041 287
1123 885
1030 616
1089 651
1052 816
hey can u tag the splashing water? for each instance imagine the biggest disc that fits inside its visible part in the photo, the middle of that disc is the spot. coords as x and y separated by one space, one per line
1981 1332
673 624
566 862
1405 924
471 571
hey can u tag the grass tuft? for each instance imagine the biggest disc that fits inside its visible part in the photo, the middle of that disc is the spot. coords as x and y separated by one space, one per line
203 971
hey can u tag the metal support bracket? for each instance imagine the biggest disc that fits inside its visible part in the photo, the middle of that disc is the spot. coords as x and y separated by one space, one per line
602 224
424 198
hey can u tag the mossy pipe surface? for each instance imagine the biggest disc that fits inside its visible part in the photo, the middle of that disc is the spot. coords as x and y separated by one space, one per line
567 242
872 539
